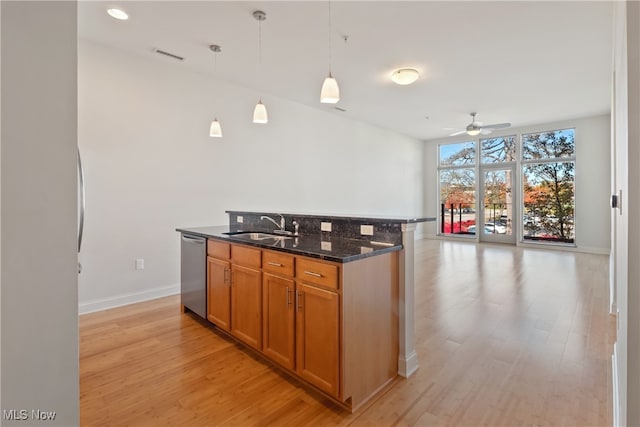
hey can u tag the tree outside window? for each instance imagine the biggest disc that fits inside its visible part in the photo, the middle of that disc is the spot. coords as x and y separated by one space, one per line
549 186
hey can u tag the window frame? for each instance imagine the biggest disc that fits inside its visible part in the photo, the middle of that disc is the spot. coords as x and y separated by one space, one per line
440 167
519 163
522 163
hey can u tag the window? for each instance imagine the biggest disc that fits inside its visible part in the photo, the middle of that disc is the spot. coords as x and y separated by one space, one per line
498 150
548 186
497 170
457 183
460 154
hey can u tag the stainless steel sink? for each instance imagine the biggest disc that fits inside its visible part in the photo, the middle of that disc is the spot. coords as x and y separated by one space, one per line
254 235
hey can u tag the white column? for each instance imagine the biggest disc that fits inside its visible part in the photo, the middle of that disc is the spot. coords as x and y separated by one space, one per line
39 318
407 356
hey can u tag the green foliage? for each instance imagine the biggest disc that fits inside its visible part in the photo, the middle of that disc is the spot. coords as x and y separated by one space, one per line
549 187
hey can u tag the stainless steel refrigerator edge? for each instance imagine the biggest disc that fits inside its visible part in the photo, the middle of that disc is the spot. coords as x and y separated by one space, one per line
193 272
81 206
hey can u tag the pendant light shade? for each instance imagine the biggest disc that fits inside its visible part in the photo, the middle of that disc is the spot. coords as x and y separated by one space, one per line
330 93
215 131
260 113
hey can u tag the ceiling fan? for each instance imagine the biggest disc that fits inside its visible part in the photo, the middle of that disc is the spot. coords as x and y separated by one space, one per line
474 128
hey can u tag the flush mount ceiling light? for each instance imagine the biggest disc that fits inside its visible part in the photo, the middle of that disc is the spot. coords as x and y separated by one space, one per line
215 130
118 14
260 112
330 92
405 76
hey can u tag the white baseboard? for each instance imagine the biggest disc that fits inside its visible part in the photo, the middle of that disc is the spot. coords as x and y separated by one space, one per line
408 365
593 250
583 249
130 298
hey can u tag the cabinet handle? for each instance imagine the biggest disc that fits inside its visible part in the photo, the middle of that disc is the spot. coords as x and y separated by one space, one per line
226 279
298 297
275 264
288 299
311 273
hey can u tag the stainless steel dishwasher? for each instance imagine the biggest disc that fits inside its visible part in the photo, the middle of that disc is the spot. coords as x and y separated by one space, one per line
193 274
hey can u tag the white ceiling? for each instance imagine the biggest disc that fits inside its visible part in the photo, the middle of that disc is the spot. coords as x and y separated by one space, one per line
519 62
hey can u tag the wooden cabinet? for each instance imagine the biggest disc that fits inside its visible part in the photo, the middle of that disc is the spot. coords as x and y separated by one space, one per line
333 325
218 292
318 337
218 284
246 295
246 305
278 319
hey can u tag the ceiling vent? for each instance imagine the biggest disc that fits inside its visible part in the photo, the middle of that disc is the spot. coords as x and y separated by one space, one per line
169 54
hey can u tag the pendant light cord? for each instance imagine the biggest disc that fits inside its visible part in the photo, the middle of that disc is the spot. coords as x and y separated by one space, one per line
260 43
329 36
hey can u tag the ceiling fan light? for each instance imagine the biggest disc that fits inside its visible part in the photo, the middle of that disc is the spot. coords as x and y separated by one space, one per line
330 92
260 113
118 14
405 76
473 131
215 130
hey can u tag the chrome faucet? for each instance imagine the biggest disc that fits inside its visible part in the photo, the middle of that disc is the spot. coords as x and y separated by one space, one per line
280 226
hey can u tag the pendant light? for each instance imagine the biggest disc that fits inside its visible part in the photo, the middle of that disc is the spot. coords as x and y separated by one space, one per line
215 130
260 112
330 92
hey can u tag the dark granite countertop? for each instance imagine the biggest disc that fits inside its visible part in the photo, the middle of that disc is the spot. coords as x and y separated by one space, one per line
369 218
335 249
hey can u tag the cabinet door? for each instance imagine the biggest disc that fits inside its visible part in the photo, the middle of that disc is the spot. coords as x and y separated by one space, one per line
246 305
218 292
278 330
317 337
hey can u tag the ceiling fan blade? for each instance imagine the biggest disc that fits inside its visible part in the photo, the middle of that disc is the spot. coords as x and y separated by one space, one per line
497 126
458 133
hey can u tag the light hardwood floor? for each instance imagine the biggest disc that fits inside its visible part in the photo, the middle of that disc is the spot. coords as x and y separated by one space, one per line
505 337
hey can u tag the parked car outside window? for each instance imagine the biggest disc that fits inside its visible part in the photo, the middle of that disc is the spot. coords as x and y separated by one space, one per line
499 229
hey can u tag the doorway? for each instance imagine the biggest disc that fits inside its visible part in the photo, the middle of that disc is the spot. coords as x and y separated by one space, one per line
497 216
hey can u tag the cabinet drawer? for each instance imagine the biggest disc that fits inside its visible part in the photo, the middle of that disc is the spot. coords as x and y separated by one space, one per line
317 272
278 263
243 255
218 249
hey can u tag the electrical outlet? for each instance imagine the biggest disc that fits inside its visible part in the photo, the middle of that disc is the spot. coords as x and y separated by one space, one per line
366 230
239 219
325 226
325 246
140 264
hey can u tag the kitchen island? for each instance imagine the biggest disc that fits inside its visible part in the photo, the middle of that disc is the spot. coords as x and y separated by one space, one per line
321 296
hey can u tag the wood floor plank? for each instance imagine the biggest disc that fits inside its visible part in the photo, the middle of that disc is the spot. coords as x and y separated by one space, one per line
505 336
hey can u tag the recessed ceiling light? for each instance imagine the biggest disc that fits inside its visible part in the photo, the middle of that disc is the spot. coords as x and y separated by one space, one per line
118 14
405 76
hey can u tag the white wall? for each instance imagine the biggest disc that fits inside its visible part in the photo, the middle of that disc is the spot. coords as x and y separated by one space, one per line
592 178
626 110
633 288
151 166
39 311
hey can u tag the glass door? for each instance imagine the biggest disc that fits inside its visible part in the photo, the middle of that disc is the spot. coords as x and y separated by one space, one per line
496 221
